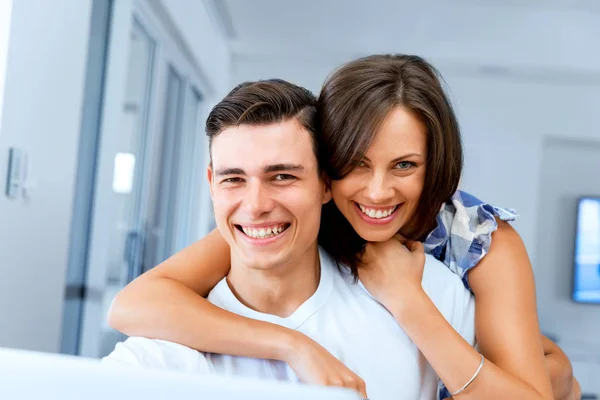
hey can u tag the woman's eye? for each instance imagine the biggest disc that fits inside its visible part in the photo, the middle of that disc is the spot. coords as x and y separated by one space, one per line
404 165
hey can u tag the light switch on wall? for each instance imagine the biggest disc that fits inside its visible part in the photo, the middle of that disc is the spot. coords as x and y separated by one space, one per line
17 172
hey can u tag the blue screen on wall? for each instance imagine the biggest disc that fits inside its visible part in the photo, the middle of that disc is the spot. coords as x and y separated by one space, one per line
586 280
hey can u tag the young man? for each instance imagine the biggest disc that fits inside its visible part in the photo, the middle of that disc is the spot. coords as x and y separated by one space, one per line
267 191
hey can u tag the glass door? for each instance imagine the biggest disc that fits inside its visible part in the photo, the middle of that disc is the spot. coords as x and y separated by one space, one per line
146 194
130 166
121 204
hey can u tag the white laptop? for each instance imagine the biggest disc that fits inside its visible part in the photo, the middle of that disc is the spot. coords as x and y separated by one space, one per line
33 375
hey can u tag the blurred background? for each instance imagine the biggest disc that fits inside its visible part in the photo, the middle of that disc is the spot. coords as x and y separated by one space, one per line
103 155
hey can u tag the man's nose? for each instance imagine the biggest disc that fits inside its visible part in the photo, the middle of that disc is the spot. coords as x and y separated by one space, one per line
258 199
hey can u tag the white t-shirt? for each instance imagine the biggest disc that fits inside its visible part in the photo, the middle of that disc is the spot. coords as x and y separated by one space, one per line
341 316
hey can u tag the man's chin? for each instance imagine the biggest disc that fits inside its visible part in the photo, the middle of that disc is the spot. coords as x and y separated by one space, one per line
262 261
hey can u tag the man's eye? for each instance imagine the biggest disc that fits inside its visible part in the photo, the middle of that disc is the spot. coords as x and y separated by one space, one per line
283 177
232 180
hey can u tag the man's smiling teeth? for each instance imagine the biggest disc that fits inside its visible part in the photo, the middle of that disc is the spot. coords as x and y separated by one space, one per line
377 214
265 232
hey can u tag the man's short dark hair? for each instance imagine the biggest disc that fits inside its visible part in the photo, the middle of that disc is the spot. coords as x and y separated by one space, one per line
262 103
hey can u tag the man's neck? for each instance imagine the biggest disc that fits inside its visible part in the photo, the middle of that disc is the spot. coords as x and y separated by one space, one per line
279 291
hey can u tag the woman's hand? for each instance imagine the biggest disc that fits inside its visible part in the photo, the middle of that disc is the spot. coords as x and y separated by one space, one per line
392 270
314 365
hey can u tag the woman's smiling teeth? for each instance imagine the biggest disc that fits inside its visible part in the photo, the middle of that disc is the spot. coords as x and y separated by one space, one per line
265 231
377 214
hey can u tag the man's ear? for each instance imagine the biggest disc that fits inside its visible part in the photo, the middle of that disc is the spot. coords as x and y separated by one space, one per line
326 188
210 177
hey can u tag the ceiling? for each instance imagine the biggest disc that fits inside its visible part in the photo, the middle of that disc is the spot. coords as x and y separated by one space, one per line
540 34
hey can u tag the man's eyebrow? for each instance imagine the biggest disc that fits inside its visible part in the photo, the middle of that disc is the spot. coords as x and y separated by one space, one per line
283 167
229 171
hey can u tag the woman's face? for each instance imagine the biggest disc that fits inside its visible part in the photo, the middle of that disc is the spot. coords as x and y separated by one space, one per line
380 195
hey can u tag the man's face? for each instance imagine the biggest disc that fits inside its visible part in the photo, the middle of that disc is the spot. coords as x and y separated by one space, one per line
267 192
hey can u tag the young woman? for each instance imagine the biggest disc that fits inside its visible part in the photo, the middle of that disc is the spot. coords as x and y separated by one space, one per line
391 146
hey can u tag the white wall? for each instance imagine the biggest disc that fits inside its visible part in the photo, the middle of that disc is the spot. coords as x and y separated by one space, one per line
305 72
41 115
200 28
5 18
542 33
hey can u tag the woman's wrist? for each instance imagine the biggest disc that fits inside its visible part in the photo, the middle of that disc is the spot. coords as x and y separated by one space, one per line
286 343
409 305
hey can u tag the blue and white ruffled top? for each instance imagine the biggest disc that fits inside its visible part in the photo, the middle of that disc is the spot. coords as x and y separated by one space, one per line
464 232
463 236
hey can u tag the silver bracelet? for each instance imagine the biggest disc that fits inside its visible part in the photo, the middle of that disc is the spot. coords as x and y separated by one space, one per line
472 378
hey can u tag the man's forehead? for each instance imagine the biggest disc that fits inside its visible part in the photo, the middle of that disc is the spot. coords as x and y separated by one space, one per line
260 146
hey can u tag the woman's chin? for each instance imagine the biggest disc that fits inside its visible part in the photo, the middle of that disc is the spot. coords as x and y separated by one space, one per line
371 236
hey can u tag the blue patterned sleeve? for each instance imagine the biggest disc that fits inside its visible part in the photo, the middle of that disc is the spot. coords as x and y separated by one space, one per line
462 238
464 232
443 393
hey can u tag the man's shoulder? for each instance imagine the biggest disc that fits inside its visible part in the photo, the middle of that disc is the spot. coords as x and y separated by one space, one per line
220 294
338 273
157 354
450 296
440 282
437 271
